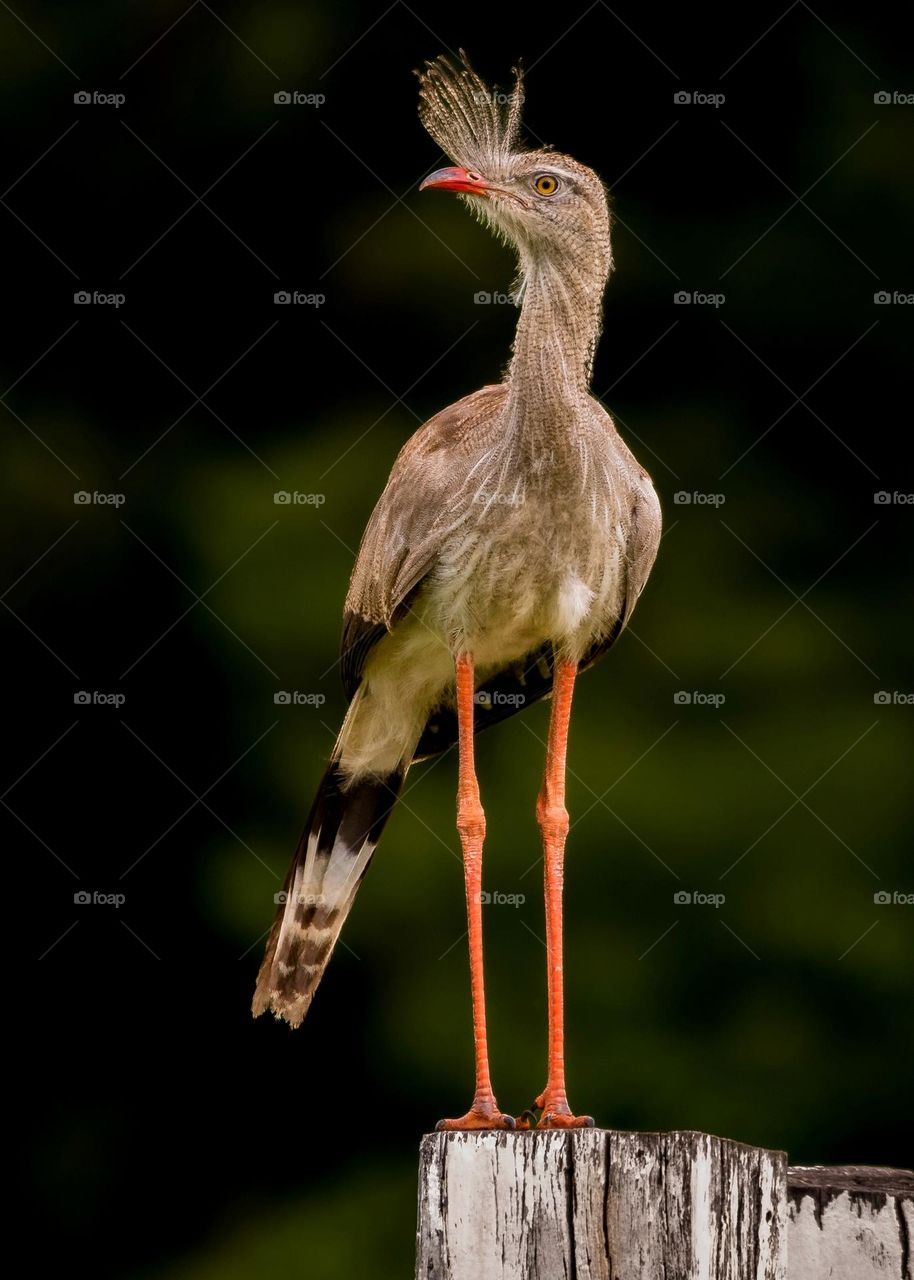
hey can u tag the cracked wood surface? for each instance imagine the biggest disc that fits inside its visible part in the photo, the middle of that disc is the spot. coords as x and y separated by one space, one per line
850 1223
600 1205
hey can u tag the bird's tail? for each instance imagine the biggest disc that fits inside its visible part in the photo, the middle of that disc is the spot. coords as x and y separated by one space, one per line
341 833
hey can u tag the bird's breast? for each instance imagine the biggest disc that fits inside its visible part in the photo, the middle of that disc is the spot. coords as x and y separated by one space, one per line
534 572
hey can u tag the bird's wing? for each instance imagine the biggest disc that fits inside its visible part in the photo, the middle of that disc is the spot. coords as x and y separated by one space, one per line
643 529
403 536
526 681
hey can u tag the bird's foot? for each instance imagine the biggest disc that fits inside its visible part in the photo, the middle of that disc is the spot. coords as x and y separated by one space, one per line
483 1114
564 1120
527 1119
556 1114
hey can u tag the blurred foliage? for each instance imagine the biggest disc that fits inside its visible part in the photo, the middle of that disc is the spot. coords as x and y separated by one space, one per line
316 1235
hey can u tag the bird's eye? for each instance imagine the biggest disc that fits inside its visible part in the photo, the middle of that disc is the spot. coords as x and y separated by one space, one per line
546 185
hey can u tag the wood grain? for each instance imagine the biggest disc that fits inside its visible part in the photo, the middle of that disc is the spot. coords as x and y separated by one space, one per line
850 1223
600 1205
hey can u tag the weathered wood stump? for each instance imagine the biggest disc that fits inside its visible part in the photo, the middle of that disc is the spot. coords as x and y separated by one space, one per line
851 1223
600 1205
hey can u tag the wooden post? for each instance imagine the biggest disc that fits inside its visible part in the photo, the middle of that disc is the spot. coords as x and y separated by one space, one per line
600 1205
852 1223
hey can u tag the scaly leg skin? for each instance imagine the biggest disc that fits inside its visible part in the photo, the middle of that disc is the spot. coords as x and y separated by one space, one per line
471 823
552 817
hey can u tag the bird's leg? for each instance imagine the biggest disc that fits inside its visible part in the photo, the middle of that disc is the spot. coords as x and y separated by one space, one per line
552 817
471 823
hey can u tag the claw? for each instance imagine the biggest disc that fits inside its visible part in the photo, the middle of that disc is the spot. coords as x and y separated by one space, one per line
483 1116
556 1120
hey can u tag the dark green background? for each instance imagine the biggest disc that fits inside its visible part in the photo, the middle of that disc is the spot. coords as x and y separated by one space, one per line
172 1137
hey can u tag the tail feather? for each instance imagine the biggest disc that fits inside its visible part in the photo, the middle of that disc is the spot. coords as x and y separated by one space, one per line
335 850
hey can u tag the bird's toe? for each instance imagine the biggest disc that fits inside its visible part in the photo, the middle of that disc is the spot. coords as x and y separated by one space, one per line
559 1120
479 1116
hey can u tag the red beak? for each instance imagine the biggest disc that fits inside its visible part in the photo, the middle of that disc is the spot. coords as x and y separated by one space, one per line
455 179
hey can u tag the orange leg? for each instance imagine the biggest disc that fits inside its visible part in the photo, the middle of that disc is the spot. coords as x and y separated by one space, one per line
471 823
552 817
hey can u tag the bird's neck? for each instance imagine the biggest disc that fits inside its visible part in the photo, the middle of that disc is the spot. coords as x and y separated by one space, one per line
557 331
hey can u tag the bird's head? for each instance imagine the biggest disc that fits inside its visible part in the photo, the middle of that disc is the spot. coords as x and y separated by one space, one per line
547 204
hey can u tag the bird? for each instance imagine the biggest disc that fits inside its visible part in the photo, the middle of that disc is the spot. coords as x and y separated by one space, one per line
505 555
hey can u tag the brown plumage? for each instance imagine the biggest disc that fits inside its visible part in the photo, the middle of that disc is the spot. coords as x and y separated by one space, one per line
514 536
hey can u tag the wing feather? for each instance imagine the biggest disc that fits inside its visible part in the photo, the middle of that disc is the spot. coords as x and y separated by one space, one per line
403 536
401 544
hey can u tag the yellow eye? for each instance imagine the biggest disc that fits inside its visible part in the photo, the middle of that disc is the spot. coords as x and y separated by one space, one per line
546 185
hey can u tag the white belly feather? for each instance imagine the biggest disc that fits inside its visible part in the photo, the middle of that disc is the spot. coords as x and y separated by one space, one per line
496 598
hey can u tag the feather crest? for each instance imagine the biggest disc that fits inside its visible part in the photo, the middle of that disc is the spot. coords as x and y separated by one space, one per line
476 126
